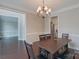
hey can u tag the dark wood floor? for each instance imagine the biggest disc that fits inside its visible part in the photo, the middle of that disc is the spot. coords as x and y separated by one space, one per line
12 49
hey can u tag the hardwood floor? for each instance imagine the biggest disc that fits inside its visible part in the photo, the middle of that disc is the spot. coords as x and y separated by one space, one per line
12 48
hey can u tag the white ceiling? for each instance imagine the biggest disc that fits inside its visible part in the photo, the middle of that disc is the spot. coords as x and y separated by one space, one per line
31 5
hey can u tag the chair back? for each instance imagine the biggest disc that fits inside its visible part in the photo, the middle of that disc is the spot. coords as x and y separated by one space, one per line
29 50
65 35
42 37
48 36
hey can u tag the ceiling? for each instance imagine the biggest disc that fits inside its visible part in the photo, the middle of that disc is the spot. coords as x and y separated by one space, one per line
31 5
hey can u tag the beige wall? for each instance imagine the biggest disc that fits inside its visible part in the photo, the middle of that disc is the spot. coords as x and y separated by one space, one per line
34 24
69 23
47 25
35 27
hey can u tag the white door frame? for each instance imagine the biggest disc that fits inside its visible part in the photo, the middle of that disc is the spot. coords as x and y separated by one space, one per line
21 22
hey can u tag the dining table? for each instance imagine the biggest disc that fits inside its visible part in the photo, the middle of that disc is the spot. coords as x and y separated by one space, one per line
12 49
52 45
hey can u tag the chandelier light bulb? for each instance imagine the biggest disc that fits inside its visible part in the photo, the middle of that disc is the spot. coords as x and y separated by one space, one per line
49 10
39 8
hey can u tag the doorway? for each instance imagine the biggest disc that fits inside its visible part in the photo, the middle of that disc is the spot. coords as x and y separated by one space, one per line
54 26
12 25
12 32
8 27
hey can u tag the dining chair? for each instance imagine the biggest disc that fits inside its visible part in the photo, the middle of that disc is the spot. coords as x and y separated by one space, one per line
42 37
64 49
65 35
43 52
29 50
48 36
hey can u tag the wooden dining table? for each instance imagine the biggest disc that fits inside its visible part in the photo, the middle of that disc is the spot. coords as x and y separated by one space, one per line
52 45
12 49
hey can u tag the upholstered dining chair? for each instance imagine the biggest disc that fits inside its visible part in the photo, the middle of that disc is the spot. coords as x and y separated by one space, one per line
31 53
65 35
29 50
61 52
42 37
43 52
65 48
48 36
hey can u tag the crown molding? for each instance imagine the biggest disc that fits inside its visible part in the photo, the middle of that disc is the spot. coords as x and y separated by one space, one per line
23 10
66 9
15 9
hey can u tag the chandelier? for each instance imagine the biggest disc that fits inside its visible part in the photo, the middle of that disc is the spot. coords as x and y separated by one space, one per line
43 10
